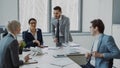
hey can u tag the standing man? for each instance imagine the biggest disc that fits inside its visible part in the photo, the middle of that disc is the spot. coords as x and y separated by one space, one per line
104 49
60 27
9 47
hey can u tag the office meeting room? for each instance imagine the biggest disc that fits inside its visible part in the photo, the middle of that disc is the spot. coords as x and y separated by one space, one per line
59 34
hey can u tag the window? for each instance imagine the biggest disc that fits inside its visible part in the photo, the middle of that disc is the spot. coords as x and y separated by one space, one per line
90 12
33 9
69 9
42 11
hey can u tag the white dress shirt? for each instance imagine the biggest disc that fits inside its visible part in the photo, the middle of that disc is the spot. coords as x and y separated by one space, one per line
35 36
95 45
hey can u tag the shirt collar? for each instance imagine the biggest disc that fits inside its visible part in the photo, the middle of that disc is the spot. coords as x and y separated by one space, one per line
30 30
13 35
98 36
60 17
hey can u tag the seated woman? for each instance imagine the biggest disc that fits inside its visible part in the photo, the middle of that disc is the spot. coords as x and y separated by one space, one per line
33 36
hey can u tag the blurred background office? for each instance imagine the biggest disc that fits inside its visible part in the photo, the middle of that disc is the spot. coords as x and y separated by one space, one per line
80 12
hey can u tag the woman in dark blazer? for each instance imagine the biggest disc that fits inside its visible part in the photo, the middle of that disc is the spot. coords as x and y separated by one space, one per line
33 36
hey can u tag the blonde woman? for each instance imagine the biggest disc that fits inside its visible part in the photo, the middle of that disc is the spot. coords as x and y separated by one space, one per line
9 47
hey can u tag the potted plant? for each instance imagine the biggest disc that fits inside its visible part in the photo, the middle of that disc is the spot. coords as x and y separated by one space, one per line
22 44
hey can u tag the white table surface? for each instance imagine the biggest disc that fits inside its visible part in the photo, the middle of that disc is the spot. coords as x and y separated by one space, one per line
47 59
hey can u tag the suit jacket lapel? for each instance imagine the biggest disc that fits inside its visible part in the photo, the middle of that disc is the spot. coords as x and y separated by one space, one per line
38 34
100 41
61 23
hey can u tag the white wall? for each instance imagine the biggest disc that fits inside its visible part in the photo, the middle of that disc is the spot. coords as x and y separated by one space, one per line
8 11
90 12
116 35
105 13
93 9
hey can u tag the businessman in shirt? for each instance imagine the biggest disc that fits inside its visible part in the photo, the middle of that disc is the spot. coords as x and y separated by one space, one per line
60 27
104 49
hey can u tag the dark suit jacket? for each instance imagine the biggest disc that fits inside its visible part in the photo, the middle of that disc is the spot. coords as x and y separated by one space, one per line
28 38
9 53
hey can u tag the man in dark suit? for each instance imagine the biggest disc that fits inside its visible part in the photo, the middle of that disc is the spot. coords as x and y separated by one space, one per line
9 47
62 25
33 36
104 49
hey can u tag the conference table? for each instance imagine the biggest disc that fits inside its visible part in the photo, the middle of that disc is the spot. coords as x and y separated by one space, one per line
54 57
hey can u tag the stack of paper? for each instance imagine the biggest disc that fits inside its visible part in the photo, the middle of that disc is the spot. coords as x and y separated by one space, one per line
71 44
61 62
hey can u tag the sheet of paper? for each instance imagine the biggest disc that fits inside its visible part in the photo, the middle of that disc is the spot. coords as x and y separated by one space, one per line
31 62
62 62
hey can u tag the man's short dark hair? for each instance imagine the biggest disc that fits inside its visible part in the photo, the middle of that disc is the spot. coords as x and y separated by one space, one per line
58 8
98 23
31 19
